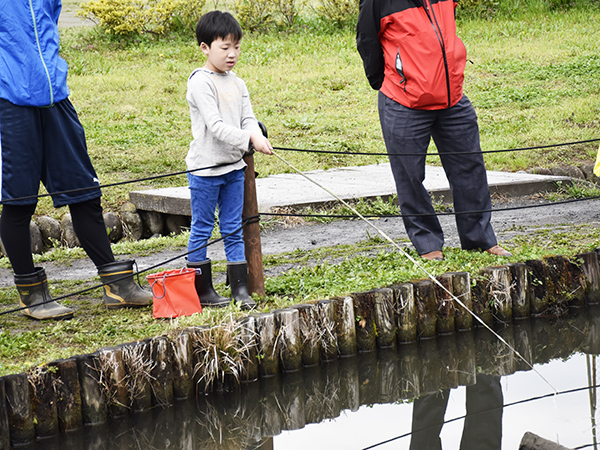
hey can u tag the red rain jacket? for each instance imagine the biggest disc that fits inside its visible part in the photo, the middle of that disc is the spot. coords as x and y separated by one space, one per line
411 52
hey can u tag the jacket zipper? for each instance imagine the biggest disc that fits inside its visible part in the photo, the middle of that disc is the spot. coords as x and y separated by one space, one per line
438 32
37 39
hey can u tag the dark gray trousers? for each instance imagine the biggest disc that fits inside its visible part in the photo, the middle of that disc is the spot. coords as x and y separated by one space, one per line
453 130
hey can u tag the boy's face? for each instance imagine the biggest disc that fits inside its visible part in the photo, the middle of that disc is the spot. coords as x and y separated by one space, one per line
222 54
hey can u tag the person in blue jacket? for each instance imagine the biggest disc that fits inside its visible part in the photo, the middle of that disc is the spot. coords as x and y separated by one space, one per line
42 140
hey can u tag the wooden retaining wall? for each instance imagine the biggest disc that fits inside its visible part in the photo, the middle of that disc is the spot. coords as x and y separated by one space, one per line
92 389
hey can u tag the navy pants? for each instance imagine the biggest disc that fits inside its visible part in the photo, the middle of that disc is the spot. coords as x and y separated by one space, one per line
453 130
47 145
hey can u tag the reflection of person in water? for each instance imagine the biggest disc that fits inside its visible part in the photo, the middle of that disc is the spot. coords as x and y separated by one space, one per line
483 422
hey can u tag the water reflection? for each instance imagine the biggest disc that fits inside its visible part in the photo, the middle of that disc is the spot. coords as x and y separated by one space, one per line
483 421
411 384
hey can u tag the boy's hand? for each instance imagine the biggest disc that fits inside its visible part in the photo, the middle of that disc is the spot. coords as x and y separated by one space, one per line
261 143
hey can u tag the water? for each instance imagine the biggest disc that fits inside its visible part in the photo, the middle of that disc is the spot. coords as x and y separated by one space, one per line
464 391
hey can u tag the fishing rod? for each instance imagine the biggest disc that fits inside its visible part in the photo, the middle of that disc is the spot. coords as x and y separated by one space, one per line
416 263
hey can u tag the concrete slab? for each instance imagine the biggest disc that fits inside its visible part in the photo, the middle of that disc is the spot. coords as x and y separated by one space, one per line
348 183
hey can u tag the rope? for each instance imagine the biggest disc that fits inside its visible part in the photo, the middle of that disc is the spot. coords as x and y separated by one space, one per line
451 213
538 147
416 263
183 172
119 183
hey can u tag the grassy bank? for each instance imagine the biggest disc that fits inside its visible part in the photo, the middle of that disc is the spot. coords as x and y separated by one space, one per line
533 81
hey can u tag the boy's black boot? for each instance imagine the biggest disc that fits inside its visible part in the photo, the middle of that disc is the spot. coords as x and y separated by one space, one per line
120 289
237 275
204 286
33 290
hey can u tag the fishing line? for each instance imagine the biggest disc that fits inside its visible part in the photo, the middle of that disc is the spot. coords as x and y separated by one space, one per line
416 263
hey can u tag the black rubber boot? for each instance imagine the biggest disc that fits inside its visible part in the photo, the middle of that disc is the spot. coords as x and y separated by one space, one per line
237 274
33 290
120 290
204 286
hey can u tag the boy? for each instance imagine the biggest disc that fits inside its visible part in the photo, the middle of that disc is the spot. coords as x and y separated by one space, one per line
224 129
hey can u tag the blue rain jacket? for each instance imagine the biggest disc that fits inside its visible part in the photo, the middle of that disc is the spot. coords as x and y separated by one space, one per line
31 72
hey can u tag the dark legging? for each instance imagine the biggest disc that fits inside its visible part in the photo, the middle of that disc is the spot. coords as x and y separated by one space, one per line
88 224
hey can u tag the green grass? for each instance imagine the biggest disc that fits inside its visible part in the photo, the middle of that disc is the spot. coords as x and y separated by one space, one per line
534 81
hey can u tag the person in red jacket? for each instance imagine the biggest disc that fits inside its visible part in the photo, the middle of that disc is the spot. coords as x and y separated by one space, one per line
413 57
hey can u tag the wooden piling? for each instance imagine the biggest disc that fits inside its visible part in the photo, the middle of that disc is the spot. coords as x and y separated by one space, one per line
268 351
138 365
538 293
43 400
68 390
461 287
247 338
497 292
566 282
345 326
385 319
481 307
113 381
591 269
364 311
309 334
445 304
290 350
4 426
161 372
183 370
406 312
519 290
531 441
93 403
326 322
426 306
20 414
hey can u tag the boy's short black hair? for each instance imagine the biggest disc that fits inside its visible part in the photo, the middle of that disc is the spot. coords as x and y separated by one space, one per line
217 24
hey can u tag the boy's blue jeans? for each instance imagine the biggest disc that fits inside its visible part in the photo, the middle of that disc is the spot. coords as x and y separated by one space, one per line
207 193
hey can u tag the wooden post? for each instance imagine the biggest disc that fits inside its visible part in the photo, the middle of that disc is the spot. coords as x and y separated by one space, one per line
4 426
20 414
256 278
